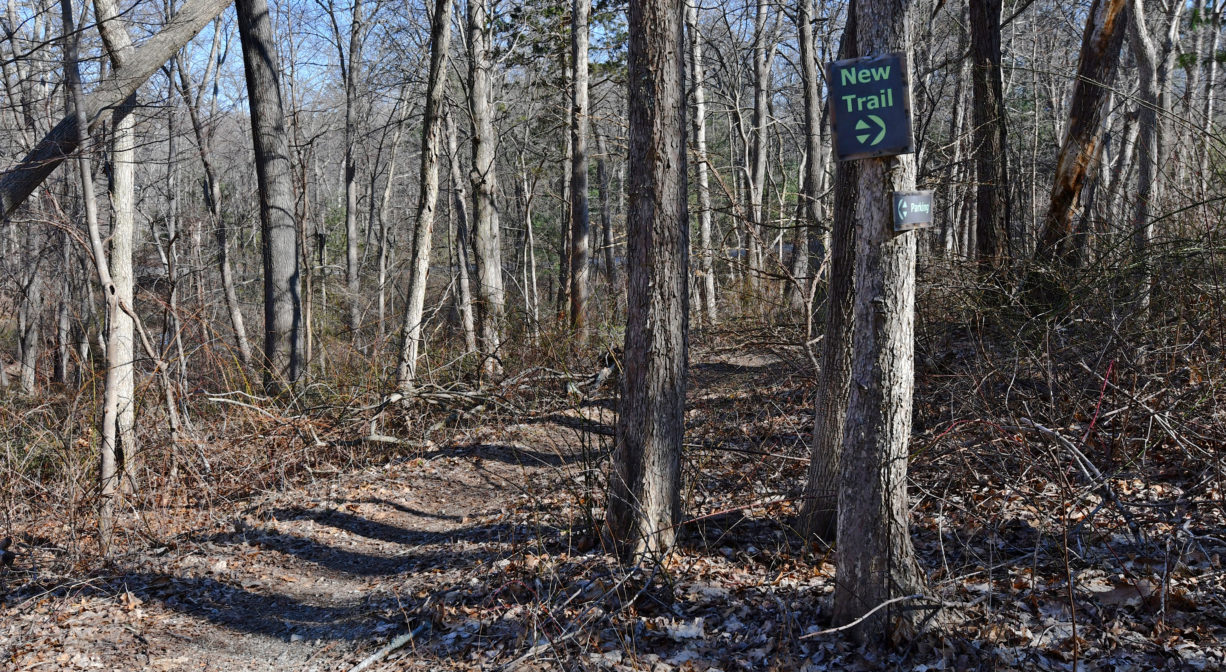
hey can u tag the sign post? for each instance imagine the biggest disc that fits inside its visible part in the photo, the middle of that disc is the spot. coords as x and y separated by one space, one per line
870 107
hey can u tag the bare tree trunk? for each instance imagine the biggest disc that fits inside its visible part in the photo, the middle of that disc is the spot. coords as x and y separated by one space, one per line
606 214
706 254
1154 68
29 322
121 333
431 146
813 182
487 246
1100 48
580 225
876 559
351 65
993 204
759 142
645 486
819 513
213 201
108 473
282 298
463 238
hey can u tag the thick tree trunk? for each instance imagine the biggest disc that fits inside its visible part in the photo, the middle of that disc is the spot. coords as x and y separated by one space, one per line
876 559
706 253
645 486
427 202
580 224
487 247
282 298
992 200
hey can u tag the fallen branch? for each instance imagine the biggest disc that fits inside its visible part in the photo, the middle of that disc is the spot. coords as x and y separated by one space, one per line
856 622
397 643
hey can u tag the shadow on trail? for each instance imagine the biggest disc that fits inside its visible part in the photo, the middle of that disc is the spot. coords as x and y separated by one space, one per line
509 454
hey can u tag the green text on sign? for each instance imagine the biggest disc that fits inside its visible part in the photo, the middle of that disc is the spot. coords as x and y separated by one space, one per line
870 106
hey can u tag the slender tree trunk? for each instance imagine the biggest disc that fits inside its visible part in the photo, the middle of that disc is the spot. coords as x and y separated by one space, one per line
108 472
813 182
759 142
819 513
463 238
213 201
876 559
487 246
121 332
352 272
580 224
992 200
606 214
282 298
29 323
427 200
707 253
645 486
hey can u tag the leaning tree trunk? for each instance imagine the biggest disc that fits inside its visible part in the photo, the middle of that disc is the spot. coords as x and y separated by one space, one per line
819 513
645 486
431 145
20 181
487 247
876 559
1100 49
580 224
282 298
992 202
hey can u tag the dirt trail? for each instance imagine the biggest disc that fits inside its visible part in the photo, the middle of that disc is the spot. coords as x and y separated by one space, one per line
313 579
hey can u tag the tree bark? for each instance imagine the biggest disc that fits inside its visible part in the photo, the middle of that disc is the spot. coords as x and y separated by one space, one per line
819 512
1100 49
876 559
580 224
992 200
121 329
431 145
487 246
463 238
645 486
351 66
279 232
706 253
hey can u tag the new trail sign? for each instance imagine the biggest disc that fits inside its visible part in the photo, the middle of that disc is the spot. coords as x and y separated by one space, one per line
870 106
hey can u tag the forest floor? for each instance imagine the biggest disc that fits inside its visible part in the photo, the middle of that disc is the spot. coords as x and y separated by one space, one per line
481 545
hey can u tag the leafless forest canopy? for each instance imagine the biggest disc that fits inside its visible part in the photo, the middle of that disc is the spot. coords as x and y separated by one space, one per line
504 333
